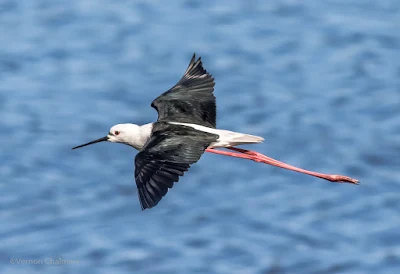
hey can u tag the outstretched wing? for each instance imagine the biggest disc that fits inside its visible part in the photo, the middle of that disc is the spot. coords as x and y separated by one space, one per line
191 100
169 152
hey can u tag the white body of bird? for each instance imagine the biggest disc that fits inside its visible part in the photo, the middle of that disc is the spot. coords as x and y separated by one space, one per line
137 136
226 138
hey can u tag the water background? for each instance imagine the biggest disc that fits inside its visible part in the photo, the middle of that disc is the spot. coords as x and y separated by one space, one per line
319 80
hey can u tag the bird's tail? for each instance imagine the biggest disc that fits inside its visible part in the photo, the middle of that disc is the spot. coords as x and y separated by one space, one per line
242 138
230 139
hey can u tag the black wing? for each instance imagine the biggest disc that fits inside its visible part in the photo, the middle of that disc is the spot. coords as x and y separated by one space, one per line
169 152
191 100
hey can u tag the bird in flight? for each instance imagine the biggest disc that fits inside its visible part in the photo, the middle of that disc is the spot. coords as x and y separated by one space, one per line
185 129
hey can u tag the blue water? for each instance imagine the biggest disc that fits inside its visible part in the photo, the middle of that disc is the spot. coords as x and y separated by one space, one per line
319 80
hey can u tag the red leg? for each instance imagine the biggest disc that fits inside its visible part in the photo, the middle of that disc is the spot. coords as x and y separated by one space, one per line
258 157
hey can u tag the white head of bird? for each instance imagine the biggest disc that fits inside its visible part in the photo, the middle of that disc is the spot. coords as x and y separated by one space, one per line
129 134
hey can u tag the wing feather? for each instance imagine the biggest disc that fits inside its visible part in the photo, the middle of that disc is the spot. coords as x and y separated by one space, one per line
191 100
169 153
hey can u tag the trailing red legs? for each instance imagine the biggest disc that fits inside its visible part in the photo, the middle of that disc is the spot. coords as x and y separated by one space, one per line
258 157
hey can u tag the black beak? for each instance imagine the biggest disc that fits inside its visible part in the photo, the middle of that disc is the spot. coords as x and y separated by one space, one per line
93 142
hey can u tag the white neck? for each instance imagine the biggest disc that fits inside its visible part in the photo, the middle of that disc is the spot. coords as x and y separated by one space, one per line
143 134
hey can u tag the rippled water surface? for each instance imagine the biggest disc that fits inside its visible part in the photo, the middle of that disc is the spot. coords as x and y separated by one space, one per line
319 80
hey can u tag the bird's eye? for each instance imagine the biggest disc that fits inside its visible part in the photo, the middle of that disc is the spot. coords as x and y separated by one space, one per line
116 132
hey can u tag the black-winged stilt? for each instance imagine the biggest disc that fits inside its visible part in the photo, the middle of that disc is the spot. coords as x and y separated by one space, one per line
185 129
